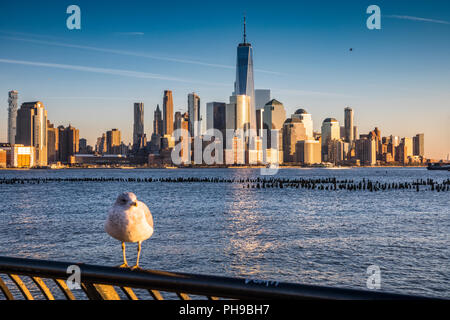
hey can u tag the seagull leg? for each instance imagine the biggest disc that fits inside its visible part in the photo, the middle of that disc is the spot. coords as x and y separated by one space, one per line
138 254
125 263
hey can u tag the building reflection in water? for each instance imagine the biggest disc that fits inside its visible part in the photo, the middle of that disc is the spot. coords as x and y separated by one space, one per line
248 239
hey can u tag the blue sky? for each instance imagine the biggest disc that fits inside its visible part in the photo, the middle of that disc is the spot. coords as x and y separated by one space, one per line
396 78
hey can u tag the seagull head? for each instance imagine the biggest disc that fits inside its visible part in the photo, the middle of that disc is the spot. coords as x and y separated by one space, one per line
127 199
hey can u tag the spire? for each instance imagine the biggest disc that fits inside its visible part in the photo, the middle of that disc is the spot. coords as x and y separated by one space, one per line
245 34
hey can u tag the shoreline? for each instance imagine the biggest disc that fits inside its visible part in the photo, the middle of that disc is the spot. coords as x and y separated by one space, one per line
210 167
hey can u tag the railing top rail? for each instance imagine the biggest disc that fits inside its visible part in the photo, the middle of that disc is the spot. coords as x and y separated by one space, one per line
226 287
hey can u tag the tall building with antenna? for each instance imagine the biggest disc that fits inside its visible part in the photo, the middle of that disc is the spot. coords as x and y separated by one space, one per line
12 115
158 126
244 84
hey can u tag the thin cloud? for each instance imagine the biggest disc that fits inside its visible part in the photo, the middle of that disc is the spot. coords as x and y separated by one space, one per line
93 98
310 93
23 34
119 72
134 54
129 33
394 16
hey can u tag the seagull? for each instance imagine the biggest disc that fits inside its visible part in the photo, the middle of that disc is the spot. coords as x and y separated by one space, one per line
129 220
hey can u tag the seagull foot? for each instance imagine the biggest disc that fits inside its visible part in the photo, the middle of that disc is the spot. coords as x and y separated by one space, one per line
136 267
123 265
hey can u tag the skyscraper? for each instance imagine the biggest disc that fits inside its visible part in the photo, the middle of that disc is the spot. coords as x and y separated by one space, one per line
138 128
366 151
293 131
215 116
83 146
308 152
337 151
244 84
306 119
73 141
194 114
419 145
259 121
113 141
274 116
32 129
69 139
348 125
330 131
168 112
158 126
238 113
52 143
262 96
408 142
176 121
12 115
100 146
181 121
62 144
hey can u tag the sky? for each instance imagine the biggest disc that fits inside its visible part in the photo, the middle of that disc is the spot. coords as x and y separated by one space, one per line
396 78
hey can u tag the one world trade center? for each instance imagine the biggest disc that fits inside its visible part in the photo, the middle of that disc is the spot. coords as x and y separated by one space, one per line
244 84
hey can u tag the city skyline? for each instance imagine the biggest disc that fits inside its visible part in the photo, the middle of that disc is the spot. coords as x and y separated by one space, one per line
397 108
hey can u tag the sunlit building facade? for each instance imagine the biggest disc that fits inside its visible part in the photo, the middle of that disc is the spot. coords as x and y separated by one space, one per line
167 113
20 156
305 118
238 113
366 151
308 152
274 116
52 143
293 131
31 129
330 131
419 145
113 141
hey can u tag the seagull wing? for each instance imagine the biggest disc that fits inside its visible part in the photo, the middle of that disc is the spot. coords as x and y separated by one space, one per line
148 215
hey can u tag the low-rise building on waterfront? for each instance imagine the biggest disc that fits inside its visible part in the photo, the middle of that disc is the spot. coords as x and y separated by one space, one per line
20 156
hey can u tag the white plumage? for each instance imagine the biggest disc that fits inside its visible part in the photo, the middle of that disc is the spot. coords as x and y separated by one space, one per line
129 220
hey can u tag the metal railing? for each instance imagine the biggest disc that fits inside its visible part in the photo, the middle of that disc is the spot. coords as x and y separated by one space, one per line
39 279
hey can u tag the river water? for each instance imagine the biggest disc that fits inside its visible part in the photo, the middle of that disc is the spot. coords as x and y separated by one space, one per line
320 237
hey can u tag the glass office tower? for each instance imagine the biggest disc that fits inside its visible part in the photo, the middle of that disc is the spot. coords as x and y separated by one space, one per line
244 84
